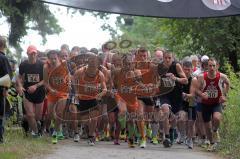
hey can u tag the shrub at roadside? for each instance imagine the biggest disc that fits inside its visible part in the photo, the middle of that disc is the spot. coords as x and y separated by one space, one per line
230 128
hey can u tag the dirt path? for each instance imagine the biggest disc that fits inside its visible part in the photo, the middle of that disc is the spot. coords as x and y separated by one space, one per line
106 150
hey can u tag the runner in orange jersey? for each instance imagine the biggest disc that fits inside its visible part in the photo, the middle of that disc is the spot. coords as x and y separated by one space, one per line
56 98
150 87
116 105
90 86
124 79
107 101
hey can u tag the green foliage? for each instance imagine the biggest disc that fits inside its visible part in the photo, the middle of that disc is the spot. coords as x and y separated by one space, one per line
17 146
230 128
217 37
28 14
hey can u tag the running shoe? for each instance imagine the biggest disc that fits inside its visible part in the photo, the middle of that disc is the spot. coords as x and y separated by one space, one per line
189 143
35 135
136 140
154 141
212 147
205 144
167 143
40 129
216 137
76 138
91 142
122 136
60 135
131 143
181 139
143 143
54 139
97 139
116 142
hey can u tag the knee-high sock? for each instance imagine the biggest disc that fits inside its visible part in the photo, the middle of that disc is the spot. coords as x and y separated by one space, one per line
122 121
131 130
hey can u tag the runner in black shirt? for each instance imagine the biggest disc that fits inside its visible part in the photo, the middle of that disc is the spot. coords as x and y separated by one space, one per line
31 76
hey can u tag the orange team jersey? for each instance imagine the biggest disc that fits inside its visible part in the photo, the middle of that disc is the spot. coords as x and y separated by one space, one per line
125 91
149 80
88 87
57 81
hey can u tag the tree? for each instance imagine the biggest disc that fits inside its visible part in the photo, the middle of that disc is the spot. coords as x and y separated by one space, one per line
28 14
218 37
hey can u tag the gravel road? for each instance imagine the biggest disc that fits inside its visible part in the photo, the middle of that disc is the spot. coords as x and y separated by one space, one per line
67 149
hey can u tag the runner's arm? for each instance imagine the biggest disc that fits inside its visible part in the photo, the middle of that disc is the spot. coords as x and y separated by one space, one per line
193 87
183 79
75 81
154 69
226 83
103 85
138 77
19 84
46 79
199 87
39 84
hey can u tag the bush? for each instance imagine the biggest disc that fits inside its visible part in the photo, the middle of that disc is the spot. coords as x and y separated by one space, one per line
230 128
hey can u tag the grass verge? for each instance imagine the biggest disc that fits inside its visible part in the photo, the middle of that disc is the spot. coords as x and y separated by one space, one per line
230 128
18 146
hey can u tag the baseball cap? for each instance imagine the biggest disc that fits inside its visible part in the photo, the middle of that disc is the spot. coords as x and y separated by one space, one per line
204 58
31 49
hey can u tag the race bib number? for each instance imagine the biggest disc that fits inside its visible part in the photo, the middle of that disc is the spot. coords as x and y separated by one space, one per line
212 93
145 90
167 82
90 88
126 89
57 80
34 78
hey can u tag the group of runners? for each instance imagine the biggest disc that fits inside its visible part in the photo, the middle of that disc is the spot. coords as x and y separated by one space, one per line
135 96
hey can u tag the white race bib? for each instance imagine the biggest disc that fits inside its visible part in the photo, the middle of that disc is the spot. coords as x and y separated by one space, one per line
126 89
168 82
89 88
212 93
34 78
57 80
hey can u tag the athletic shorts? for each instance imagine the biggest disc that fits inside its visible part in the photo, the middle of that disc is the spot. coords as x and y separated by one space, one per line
36 97
54 98
87 105
191 111
133 107
111 103
208 110
176 104
199 107
147 101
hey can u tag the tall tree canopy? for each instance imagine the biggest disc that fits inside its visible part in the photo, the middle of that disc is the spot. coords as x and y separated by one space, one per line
218 37
28 14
